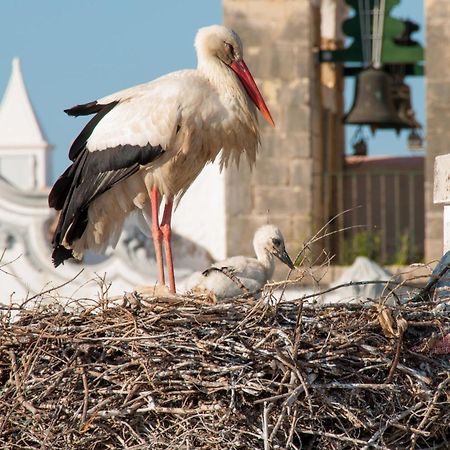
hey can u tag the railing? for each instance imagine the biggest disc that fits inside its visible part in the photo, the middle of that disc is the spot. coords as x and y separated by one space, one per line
384 218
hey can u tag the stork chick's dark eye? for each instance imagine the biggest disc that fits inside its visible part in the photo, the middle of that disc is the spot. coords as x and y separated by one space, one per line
276 242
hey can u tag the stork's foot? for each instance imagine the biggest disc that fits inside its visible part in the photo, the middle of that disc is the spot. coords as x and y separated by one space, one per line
157 290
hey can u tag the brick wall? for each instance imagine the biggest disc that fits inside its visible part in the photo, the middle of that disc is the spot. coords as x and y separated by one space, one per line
279 37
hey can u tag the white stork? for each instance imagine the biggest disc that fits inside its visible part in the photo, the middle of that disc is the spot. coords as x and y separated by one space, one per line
232 276
153 140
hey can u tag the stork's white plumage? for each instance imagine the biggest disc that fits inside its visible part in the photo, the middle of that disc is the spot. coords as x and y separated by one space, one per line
228 278
154 139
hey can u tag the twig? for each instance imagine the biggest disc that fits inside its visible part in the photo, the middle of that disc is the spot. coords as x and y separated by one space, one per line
15 372
265 425
230 275
430 406
372 386
86 393
401 329
40 294
395 419
430 285
339 437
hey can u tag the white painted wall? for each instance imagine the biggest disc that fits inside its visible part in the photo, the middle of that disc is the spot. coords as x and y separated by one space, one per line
24 168
25 256
200 216
441 193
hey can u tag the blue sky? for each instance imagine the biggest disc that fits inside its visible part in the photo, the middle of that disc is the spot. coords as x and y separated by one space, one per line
77 51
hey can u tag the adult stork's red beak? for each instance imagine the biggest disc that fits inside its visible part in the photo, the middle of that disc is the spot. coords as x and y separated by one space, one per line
242 71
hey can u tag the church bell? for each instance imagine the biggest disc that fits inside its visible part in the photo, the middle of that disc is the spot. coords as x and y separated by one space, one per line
402 101
374 102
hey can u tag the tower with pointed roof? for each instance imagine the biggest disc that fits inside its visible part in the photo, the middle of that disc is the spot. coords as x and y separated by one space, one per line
24 150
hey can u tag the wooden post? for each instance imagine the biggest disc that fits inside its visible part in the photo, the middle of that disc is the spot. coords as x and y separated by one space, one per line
441 194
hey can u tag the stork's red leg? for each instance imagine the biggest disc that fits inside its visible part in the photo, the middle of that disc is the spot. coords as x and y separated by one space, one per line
157 234
167 233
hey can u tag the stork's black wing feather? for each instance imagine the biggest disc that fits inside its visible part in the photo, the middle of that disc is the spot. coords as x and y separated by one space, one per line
91 174
60 189
59 193
80 142
85 109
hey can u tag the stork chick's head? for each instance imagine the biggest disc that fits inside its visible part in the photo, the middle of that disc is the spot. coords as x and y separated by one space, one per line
268 239
219 43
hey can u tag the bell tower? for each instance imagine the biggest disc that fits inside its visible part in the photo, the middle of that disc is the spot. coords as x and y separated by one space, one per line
24 150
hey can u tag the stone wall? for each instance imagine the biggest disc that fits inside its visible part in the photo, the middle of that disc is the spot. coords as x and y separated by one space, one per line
279 37
438 114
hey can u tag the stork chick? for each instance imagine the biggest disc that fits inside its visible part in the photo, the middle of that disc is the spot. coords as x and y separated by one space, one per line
232 276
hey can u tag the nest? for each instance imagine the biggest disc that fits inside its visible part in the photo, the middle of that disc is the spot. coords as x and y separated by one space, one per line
166 373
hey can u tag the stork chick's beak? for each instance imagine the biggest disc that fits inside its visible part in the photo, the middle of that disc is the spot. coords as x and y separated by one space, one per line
241 70
285 258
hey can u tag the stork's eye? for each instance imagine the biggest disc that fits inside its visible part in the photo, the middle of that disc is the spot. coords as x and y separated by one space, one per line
229 48
276 242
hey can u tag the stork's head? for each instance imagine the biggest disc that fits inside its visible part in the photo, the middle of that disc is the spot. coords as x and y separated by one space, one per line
269 239
225 45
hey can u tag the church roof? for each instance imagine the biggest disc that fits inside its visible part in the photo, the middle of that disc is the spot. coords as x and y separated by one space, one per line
19 125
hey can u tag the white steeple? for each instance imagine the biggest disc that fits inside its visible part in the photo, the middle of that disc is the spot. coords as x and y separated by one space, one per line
24 150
